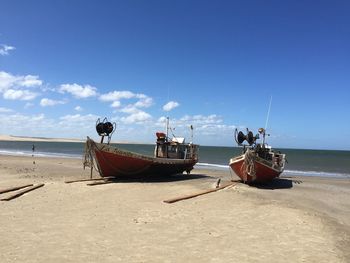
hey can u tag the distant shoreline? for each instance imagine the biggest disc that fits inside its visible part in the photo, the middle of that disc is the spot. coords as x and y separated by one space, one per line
36 139
15 138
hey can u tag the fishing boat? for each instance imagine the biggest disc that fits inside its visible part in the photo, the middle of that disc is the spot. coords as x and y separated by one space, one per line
258 163
171 156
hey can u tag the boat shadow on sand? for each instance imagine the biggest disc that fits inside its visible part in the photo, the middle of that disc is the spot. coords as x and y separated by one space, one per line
160 179
277 183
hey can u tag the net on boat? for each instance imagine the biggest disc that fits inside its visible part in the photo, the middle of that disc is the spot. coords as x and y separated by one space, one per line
89 155
248 168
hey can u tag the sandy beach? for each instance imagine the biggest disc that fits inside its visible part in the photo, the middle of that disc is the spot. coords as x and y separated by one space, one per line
295 219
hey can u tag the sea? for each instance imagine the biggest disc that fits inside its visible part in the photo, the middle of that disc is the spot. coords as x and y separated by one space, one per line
301 162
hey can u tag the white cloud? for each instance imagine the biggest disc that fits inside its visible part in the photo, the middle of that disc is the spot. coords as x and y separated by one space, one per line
130 109
144 101
12 86
78 108
48 102
136 117
170 105
27 125
79 91
117 95
79 118
12 94
210 125
215 129
78 123
162 119
6 81
5 110
69 126
116 104
9 81
30 81
4 49
206 128
201 119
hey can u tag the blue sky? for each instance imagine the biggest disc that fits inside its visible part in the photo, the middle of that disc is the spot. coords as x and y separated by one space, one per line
212 64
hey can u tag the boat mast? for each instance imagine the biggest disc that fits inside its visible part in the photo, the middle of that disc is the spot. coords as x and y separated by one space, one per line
166 138
267 120
191 127
167 127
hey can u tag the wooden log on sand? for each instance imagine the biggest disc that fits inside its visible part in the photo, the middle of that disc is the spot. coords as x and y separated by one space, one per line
99 183
14 188
83 180
173 200
19 193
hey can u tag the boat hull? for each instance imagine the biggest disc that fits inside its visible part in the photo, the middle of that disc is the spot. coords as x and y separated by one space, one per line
264 171
114 162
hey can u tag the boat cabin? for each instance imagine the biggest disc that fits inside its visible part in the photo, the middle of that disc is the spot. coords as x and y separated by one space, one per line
265 152
175 148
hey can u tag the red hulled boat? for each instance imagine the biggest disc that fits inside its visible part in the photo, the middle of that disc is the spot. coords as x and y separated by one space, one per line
170 156
258 162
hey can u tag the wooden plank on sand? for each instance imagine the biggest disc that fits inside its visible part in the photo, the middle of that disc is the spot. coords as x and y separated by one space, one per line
99 183
14 188
19 193
173 200
83 180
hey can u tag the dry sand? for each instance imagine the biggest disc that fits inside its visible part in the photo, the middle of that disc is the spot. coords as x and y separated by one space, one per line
292 220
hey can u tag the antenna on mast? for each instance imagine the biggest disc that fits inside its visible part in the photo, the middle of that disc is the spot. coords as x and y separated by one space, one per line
191 127
268 113
261 130
167 127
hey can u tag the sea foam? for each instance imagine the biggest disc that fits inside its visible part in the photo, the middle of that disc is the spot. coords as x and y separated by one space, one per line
285 172
39 154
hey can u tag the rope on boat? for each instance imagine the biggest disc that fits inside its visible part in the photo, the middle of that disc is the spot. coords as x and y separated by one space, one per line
248 168
89 155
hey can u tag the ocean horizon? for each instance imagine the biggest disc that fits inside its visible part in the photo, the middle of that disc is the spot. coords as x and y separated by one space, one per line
301 162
